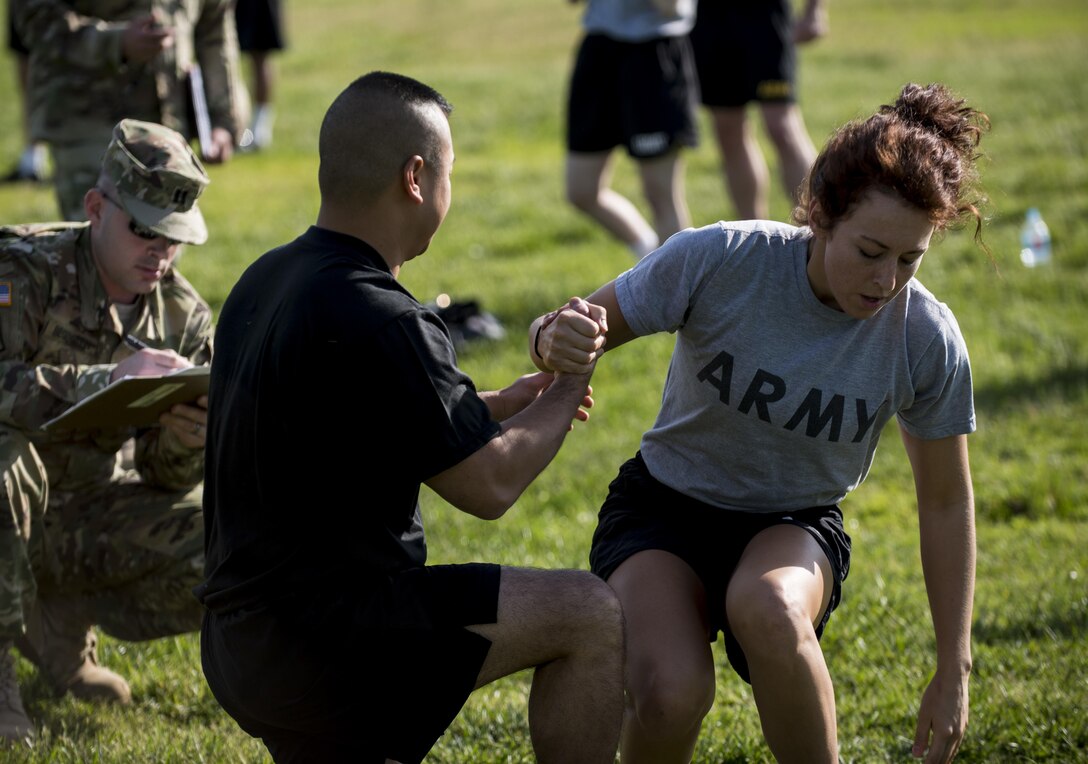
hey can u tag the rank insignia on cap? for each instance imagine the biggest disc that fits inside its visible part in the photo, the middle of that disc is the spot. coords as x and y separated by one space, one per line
5 294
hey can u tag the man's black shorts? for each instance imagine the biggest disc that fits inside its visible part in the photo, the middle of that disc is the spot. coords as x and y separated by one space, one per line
642 513
744 52
640 95
372 673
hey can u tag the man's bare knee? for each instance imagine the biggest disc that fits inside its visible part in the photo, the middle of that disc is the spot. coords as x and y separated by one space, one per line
588 615
547 615
602 610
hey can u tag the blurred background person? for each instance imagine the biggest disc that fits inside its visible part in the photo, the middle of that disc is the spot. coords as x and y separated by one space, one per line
31 163
96 62
633 85
744 53
260 36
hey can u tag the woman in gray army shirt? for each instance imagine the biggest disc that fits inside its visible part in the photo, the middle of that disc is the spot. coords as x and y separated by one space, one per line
794 347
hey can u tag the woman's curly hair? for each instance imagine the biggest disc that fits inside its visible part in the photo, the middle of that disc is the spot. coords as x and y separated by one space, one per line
922 148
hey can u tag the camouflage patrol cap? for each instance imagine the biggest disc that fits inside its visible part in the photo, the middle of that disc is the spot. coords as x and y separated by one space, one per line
158 179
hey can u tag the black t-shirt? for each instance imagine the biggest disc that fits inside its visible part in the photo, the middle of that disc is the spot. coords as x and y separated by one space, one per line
334 395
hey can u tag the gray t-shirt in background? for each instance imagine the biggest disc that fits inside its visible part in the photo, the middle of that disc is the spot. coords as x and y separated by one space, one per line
637 20
774 401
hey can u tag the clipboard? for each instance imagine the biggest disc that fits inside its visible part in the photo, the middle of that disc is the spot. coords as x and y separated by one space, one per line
199 102
134 401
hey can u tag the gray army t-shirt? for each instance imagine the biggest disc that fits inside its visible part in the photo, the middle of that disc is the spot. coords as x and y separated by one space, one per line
773 400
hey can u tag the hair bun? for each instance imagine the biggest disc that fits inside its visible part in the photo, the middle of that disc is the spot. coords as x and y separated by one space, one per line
935 109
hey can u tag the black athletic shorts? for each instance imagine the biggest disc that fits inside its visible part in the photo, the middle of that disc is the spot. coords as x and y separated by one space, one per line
745 52
640 95
641 513
260 25
373 673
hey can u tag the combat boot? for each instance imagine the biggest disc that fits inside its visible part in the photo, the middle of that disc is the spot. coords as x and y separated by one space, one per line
60 642
15 725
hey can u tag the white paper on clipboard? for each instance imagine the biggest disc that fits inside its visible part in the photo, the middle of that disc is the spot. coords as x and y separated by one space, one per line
200 110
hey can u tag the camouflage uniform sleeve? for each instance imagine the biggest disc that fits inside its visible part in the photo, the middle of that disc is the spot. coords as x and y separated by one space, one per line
216 43
161 459
59 33
32 394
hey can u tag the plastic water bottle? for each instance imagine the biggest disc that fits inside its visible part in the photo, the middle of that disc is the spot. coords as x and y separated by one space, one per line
1034 240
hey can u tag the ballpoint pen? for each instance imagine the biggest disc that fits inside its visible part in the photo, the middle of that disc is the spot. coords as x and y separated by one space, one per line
136 344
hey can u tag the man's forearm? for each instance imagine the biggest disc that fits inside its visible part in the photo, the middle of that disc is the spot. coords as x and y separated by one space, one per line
488 482
531 438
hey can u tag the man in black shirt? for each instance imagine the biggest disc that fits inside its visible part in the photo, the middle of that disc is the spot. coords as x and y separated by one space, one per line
334 395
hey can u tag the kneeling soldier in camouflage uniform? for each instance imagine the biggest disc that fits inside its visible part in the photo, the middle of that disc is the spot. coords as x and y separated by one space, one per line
100 526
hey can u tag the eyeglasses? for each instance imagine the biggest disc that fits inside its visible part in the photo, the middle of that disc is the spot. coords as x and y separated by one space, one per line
137 229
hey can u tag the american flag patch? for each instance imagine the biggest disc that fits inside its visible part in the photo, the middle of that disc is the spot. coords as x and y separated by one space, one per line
5 294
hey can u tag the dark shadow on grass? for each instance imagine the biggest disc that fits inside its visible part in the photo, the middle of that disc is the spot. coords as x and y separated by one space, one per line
1065 383
1061 622
63 717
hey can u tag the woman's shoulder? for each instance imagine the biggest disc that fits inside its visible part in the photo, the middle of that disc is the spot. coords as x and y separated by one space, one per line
744 234
747 248
922 306
930 321
762 237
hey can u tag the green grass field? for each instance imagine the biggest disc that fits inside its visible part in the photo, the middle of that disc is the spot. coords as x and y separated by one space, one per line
512 242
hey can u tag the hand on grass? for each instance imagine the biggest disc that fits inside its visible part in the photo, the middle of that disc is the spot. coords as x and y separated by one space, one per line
942 720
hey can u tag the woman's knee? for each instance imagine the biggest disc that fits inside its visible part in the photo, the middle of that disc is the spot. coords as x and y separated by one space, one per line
766 617
669 702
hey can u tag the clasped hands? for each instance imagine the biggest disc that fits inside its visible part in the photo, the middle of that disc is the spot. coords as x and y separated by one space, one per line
570 339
